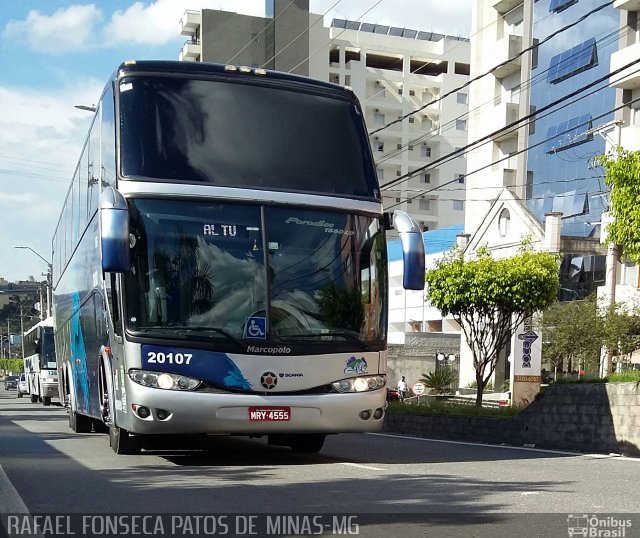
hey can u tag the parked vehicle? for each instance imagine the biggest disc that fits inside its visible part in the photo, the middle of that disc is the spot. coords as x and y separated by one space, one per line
393 395
11 382
23 388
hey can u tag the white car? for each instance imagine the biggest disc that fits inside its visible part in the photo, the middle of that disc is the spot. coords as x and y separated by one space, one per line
22 386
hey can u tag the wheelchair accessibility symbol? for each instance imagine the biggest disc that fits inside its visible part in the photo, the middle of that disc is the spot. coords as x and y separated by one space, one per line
255 327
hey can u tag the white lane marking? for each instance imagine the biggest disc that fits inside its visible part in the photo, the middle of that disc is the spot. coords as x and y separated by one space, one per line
359 466
508 447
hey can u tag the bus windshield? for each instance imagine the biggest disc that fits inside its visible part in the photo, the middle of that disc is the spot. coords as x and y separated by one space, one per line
244 134
48 352
249 272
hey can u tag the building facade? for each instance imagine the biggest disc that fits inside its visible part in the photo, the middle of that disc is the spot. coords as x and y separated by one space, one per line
393 71
545 109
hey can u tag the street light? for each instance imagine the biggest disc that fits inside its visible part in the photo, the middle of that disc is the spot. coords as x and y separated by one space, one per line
49 276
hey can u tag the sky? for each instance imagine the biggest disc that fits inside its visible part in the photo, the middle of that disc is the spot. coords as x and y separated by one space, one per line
57 54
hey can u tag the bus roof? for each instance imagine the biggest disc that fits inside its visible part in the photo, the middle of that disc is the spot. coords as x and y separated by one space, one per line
48 322
209 68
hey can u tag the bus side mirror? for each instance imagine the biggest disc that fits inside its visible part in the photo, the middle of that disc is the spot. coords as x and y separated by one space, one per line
412 250
114 232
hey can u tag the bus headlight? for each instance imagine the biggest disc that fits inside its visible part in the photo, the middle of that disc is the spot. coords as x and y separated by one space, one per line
163 380
360 384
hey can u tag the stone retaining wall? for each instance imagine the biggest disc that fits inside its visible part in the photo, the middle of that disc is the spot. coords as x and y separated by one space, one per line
594 417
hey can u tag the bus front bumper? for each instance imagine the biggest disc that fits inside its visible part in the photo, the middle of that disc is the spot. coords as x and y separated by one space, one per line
174 412
50 390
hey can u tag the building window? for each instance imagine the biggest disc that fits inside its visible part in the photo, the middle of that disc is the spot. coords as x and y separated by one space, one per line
573 61
379 146
462 98
425 178
423 204
425 151
461 125
398 146
504 221
380 172
412 93
458 205
567 134
410 148
460 178
412 119
397 199
378 118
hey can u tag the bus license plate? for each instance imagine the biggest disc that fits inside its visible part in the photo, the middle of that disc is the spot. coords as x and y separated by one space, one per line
269 414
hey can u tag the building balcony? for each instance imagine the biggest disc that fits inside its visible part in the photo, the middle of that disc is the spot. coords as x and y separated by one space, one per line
629 78
504 114
190 22
630 137
191 52
503 6
505 49
629 5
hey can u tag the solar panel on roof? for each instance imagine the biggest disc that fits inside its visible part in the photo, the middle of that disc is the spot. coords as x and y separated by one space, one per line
567 134
560 5
572 61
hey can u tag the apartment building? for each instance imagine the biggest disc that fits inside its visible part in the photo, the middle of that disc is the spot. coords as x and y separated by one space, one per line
547 159
393 71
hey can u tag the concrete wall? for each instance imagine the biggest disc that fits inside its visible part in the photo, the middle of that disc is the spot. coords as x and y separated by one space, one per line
418 355
578 417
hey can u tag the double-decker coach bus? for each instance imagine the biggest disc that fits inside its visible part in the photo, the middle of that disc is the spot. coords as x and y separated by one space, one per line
220 262
40 367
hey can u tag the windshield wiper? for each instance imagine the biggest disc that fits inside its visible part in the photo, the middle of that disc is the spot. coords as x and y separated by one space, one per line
178 330
340 334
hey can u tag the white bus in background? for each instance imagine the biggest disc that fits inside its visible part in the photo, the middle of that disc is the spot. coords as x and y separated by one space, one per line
40 362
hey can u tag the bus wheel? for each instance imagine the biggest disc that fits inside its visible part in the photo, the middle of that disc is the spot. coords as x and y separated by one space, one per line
34 398
79 423
46 400
122 442
307 442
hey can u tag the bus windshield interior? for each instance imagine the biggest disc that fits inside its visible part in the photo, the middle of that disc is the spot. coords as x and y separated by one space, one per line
211 270
244 134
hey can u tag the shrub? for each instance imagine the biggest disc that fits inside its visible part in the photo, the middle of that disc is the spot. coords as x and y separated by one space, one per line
439 381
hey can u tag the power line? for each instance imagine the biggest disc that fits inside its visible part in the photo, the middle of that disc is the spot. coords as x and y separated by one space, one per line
261 32
517 153
539 77
301 34
494 68
512 126
333 38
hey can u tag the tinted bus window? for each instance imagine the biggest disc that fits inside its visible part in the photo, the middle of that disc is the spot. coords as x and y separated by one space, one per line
244 135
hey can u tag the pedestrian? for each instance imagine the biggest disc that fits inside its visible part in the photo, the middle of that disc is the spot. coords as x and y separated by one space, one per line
402 389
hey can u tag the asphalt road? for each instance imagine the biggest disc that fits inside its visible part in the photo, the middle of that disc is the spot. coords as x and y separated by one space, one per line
375 485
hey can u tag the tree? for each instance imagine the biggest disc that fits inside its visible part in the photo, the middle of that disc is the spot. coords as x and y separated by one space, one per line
490 298
622 175
574 332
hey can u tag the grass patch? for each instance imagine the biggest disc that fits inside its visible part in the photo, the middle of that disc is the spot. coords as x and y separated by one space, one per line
632 376
453 409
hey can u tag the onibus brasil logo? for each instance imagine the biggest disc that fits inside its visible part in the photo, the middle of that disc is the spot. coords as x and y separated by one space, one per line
597 526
